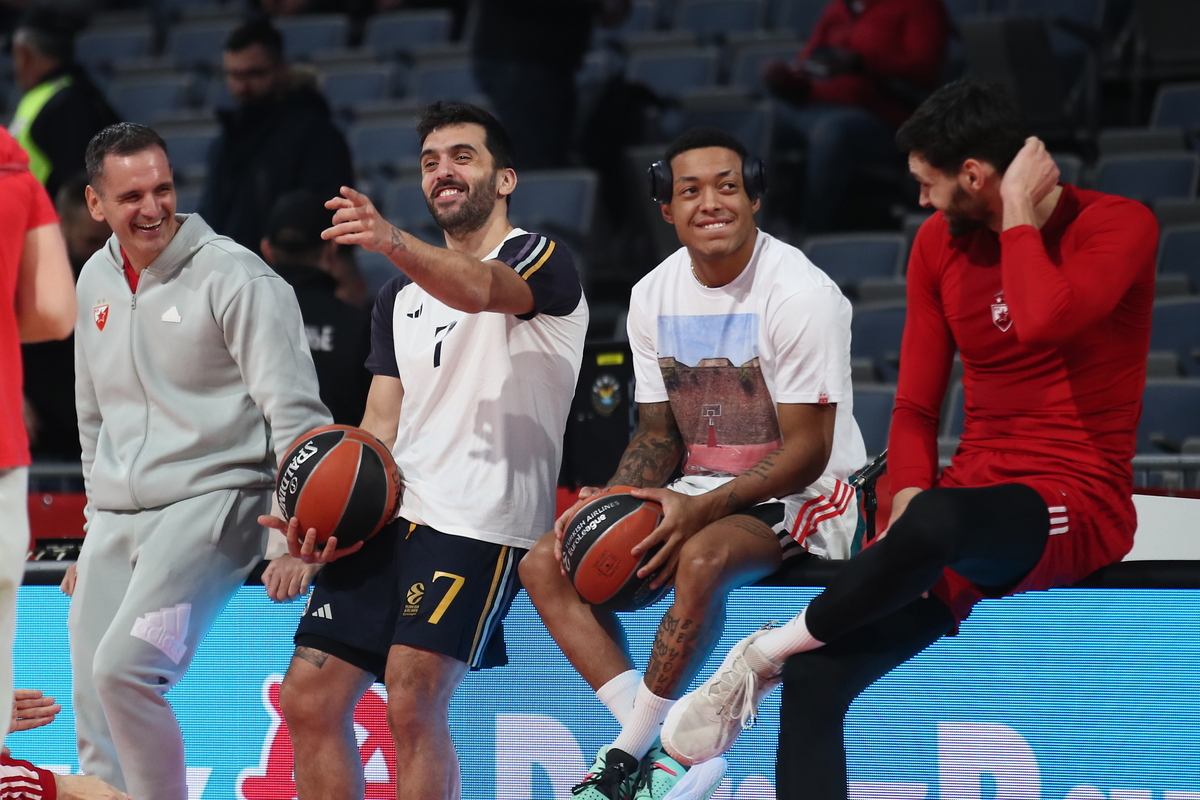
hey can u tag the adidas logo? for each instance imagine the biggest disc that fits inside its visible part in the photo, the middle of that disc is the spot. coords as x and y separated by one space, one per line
324 612
166 629
417 313
172 315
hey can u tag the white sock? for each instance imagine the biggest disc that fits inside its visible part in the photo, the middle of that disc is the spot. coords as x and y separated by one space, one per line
619 693
644 723
792 637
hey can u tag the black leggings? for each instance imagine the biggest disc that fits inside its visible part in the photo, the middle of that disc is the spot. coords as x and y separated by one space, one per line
873 616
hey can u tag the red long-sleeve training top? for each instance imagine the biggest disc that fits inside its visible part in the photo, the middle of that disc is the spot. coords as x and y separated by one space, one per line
901 39
20 780
1053 328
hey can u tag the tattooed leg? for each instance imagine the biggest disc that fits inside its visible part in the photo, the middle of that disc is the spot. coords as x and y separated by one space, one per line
729 553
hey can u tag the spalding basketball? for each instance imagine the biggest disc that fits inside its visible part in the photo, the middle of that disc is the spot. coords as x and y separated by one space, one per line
596 549
341 481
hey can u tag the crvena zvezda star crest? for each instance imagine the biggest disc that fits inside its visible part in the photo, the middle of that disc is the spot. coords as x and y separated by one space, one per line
100 314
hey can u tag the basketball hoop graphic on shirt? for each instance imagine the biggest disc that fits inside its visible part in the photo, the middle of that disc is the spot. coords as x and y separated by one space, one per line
100 315
1000 313
711 411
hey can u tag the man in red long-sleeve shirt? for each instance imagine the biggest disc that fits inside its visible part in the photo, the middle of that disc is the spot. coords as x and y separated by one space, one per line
850 87
1046 290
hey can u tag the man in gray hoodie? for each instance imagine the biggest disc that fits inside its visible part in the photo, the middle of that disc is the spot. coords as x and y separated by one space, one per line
193 375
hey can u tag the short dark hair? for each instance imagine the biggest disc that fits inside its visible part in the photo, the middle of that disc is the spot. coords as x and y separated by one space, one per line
697 138
969 118
121 139
257 30
441 114
51 31
71 194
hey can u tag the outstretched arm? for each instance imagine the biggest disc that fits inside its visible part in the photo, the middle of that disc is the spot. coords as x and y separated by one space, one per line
456 279
45 299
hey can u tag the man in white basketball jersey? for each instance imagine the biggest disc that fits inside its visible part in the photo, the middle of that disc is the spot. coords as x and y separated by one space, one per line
475 354
741 350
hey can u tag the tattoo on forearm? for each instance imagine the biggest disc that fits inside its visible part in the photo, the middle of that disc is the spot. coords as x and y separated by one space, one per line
670 659
311 655
653 453
763 468
397 240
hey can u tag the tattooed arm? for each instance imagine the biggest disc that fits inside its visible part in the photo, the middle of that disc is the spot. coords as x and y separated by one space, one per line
459 280
654 451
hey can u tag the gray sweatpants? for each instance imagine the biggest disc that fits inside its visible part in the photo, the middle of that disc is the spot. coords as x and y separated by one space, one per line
150 585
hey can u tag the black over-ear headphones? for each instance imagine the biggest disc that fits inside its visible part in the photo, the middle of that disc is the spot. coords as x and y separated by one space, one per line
754 178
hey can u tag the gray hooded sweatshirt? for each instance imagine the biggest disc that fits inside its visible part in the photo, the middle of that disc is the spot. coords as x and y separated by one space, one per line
196 382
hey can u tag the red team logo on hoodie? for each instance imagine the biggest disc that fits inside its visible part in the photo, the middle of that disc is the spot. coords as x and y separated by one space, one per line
100 314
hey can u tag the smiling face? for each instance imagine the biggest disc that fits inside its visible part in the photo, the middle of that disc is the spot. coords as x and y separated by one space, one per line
462 186
711 212
965 210
135 195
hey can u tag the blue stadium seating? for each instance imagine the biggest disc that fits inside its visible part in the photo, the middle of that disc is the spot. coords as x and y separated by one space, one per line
1150 176
752 125
748 60
850 258
188 149
1170 414
1179 252
555 201
796 15
876 331
404 31
1176 327
954 412
192 44
443 80
1176 106
376 270
99 47
668 74
144 100
389 145
351 86
404 203
309 33
717 18
1070 167
873 412
187 199
643 17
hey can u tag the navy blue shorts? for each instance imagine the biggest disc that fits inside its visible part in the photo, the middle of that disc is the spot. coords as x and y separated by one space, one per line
415 586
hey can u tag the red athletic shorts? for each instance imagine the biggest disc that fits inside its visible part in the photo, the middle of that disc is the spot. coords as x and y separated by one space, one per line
1091 524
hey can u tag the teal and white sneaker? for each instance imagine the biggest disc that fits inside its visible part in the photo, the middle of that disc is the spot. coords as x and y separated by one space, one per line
613 776
664 778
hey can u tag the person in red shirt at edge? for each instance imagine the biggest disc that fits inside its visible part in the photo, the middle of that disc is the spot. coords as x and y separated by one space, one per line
863 70
1046 291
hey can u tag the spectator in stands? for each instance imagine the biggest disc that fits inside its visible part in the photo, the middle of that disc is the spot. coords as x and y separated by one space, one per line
525 55
339 334
50 366
61 109
280 138
861 74
38 305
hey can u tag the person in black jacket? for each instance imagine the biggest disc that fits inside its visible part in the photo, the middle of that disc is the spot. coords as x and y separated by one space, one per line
339 335
279 138
61 109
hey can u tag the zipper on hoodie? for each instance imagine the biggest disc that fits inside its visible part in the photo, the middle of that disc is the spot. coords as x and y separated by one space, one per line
138 375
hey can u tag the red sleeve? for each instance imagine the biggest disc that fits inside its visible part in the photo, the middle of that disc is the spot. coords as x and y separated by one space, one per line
1049 303
20 780
820 32
926 356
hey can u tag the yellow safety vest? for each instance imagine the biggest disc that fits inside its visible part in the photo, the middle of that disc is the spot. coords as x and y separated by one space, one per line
21 126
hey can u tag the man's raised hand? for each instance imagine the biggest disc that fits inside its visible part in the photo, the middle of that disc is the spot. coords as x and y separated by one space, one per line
357 221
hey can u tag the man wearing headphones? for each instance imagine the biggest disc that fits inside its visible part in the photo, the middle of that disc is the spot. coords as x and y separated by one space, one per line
741 349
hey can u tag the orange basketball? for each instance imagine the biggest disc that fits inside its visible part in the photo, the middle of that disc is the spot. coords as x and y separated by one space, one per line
596 550
341 481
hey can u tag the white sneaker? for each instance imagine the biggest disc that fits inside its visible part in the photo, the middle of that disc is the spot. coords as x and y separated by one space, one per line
706 722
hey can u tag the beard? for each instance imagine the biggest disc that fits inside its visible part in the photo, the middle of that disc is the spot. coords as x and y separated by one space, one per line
471 213
966 214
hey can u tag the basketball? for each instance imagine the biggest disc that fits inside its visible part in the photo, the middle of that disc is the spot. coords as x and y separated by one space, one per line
341 481
596 550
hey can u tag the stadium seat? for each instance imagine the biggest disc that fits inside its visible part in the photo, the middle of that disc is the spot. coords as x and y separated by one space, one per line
1177 211
100 47
443 80
308 33
555 201
1176 327
145 100
717 18
1179 252
749 56
1069 167
1150 176
798 16
187 199
348 87
873 413
404 31
962 9
1176 106
1170 414
188 150
954 412
1119 141
876 331
850 258
642 17
376 270
670 73
384 145
751 124
198 44
404 203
